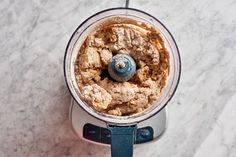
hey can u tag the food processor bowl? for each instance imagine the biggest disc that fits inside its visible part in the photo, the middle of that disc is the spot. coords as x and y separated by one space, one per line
94 22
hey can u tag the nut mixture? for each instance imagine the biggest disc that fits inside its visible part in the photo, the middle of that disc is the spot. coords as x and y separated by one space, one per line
140 41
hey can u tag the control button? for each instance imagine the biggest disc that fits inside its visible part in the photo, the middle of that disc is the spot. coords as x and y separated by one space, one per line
144 135
92 132
105 136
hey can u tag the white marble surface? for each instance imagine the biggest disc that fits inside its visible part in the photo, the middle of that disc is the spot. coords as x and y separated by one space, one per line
34 99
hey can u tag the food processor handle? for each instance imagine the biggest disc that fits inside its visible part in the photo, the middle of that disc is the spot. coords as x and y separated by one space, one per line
122 140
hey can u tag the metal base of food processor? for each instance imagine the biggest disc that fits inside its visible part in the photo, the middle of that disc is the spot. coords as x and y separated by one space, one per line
93 130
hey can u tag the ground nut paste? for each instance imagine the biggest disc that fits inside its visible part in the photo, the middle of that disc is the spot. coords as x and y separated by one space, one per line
140 41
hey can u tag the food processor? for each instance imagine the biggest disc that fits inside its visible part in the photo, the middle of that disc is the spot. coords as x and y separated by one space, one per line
119 132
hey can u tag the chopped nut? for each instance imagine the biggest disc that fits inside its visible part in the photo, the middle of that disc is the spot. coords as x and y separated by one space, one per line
97 96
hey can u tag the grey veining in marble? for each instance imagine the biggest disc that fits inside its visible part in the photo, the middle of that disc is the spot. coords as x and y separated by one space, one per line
34 99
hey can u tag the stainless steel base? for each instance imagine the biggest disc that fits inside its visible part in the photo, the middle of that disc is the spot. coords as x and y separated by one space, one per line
79 118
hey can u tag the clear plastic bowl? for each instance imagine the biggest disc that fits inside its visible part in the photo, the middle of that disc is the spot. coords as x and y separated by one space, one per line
79 37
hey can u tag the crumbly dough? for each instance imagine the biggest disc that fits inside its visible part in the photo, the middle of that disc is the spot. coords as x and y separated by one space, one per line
104 94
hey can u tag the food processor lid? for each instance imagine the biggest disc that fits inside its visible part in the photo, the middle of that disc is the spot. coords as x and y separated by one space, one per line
175 65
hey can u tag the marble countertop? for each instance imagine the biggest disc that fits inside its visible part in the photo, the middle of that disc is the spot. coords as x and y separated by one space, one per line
34 99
